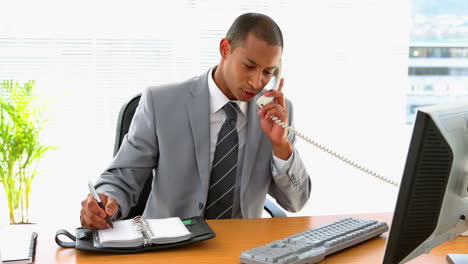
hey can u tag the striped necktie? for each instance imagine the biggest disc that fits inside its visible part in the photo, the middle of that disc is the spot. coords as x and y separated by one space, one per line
223 172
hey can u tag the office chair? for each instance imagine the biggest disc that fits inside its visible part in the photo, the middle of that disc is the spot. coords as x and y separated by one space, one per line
123 123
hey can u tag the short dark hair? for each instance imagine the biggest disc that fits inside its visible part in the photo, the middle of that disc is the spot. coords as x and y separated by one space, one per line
261 26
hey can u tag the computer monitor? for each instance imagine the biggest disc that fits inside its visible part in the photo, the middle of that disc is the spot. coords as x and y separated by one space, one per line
432 205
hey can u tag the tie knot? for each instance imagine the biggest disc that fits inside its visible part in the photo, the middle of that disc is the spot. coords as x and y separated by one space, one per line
231 112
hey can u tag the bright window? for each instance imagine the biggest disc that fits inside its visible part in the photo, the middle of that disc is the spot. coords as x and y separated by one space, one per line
344 66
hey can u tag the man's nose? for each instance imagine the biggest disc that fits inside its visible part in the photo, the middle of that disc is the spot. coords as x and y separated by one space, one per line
256 81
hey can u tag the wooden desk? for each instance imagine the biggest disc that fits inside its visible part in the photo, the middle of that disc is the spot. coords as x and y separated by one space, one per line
237 235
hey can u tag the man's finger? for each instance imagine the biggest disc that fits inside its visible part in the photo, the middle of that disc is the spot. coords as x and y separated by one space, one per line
83 224
93 207
280 88
103 197
281 100
93 221
111 206
278 112
269 107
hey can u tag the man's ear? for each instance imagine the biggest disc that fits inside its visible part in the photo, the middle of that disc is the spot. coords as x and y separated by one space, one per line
224 48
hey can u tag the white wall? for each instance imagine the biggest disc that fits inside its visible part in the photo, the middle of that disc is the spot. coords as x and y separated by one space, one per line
345 69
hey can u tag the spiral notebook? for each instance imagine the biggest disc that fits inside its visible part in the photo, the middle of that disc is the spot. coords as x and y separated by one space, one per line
140 232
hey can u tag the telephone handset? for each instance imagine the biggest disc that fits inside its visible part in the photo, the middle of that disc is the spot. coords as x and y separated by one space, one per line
276 78
263 100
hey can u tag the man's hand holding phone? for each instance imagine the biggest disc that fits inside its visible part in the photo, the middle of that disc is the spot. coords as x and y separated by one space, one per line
278 135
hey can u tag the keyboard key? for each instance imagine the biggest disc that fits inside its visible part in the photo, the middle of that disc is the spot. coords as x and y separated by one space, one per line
289 259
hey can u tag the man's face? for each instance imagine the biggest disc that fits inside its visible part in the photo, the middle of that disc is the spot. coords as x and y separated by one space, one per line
248 68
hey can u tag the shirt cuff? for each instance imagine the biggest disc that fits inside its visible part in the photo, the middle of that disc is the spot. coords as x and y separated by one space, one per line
282 165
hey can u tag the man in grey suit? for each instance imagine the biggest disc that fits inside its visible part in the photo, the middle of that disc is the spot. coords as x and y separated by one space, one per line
214 152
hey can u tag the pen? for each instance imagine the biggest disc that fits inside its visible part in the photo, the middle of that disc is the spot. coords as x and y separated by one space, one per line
32 247
98 199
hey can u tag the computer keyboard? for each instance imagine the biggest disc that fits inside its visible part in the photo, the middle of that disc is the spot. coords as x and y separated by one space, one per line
313 245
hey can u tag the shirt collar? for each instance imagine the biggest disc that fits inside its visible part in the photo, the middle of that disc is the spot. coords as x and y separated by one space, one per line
218 99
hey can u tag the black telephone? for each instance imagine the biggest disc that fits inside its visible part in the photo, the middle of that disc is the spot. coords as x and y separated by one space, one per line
263 100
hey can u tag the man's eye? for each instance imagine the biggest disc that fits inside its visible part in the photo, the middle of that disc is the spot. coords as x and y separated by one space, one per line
248 66
268 72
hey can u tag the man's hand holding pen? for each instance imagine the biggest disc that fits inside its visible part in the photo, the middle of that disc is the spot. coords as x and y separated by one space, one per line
92 216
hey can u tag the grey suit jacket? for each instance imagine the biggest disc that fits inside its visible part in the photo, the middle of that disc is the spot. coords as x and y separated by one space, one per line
170 134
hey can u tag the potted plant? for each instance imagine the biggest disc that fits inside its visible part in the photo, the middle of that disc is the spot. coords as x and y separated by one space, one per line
21 148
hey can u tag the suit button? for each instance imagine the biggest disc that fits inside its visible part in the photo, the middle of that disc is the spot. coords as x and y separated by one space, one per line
200 206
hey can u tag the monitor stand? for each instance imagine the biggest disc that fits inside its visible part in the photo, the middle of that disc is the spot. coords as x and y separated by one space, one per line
457 258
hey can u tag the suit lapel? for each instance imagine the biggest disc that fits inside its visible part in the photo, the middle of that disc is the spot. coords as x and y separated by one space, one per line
252 142
199 117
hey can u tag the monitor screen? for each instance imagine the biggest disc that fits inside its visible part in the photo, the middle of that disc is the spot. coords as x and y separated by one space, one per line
432 201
